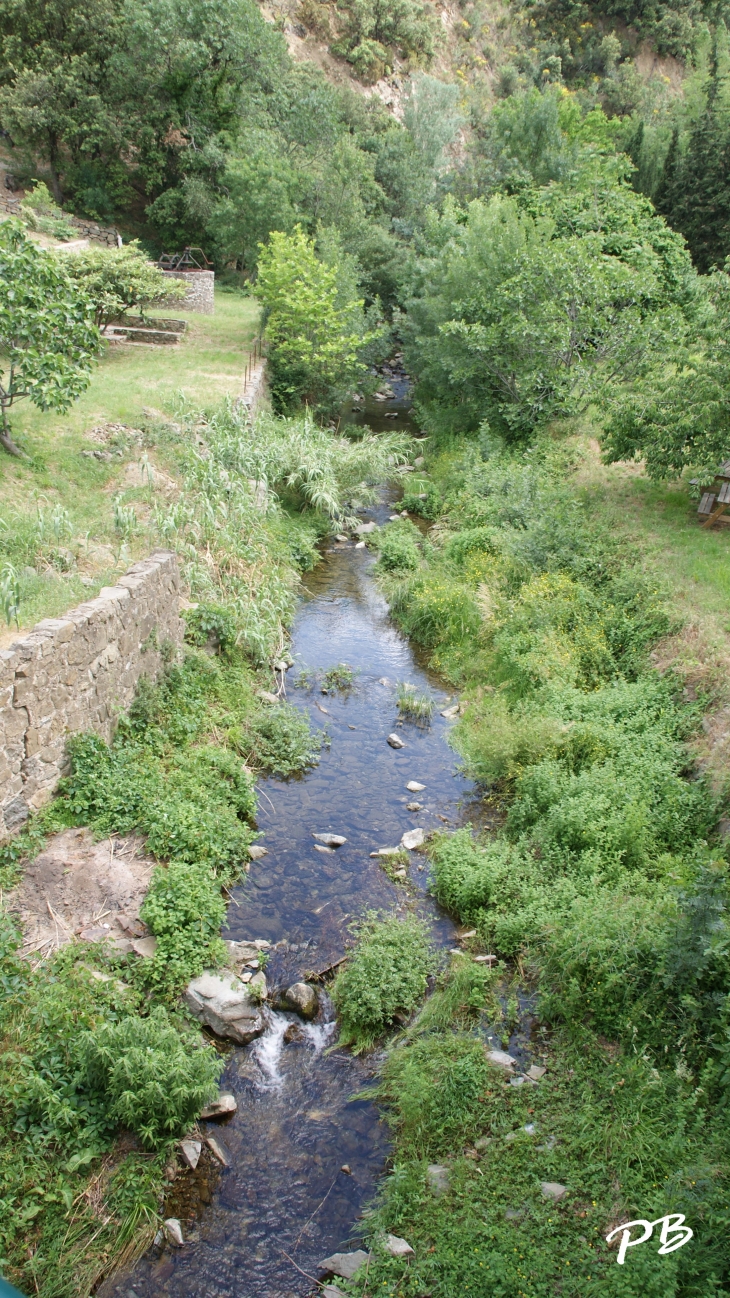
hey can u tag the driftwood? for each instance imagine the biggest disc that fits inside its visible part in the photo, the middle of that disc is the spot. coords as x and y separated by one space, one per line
311 976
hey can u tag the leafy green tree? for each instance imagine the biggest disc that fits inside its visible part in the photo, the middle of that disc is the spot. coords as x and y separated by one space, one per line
48 339
511 323
678 416
119 279
376 30
314 338
56 69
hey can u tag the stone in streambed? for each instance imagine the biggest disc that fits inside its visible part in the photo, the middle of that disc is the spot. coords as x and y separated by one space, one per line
255 851
451 712
364 529
144 946
438 1178
320 847
500 1059
173 1232
223 1107
218 1149
225 1004
395 741
413 838
330 840
414 806
302 998
414 787
398 1247
331 1291
268 697
344 1264
191 1150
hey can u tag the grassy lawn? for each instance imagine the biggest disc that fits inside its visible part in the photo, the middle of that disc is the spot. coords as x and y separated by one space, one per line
694 565
57 517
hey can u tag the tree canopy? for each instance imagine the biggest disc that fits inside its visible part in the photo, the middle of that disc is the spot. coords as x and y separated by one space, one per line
48 339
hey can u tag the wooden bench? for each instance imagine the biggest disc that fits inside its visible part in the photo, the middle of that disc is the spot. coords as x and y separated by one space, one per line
714 502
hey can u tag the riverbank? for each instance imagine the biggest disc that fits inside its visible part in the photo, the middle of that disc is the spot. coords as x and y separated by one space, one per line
597 895
83 1176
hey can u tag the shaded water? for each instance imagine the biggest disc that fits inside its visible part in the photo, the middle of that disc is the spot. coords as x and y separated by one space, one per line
304 1156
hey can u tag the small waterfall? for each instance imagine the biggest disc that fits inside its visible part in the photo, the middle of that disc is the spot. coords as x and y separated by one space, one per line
318 1035
267 1051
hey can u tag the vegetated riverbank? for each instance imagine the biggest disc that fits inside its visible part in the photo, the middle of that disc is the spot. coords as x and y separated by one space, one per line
95 1044
603 894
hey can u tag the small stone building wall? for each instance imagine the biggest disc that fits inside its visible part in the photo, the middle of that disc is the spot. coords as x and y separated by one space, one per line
77 673
199 295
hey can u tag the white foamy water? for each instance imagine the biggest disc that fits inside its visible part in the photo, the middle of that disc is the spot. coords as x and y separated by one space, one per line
318 1035
267 1052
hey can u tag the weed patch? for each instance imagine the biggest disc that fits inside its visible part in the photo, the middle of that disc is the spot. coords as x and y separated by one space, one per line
385 975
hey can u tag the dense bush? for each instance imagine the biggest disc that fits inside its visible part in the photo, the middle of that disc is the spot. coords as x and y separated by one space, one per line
153 1078
385 975
399 547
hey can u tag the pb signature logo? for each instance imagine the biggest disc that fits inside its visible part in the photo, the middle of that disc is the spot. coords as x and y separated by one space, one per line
673 1235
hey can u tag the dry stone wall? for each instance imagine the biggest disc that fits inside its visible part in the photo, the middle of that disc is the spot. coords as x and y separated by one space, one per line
199 285
105 234
77 673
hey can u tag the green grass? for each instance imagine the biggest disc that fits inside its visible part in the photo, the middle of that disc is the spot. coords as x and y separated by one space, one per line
695 562
206 366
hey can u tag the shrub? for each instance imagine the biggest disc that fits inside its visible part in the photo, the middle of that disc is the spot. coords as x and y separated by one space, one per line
434 1089
154 1078
603 961
385 975
121 279
283 742
399 547
184 909
437 611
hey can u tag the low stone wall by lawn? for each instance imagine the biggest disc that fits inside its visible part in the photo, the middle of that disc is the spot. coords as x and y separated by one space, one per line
78 673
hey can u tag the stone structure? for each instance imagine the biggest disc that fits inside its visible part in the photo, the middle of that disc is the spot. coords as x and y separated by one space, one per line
105 234
255 393
77 673
199 284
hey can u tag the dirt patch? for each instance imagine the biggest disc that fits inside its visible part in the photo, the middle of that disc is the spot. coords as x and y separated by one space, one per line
79 888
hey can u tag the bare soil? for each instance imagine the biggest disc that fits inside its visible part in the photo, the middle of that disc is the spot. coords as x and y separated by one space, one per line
80 888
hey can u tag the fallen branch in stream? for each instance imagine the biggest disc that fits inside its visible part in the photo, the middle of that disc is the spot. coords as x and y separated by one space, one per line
312 976
314 1214
299 1269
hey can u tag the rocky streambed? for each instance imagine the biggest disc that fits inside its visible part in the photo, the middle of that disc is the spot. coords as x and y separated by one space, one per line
279 1184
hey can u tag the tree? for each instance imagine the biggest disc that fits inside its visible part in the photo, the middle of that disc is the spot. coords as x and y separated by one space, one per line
313 336
514 321
48 339
118 279
694 189
678 417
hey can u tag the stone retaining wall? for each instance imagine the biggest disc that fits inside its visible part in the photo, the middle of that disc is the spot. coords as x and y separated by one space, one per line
77 673
255 394
199 284
87 229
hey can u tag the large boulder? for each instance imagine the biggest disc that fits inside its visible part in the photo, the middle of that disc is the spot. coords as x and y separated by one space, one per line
302 998
225 1004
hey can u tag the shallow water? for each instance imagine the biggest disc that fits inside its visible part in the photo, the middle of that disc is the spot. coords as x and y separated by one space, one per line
305 1156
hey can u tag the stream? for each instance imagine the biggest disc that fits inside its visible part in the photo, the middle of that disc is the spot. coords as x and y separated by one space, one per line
305 1157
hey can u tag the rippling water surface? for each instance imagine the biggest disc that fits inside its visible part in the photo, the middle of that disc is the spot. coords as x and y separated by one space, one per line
305 1156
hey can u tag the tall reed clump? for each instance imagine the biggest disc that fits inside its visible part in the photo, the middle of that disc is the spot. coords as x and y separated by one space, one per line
255 499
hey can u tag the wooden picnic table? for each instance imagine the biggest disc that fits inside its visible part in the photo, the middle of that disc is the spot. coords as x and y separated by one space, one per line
714 502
